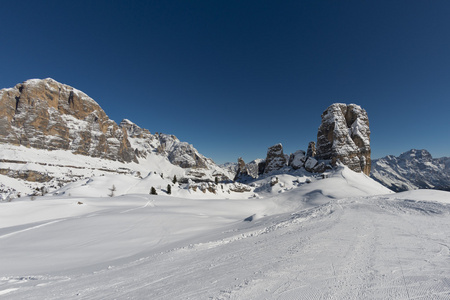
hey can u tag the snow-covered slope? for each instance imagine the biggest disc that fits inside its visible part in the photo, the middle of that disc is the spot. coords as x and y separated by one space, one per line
331 238
414 169
54 169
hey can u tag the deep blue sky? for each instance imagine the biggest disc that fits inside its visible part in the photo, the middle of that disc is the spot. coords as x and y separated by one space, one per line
235 77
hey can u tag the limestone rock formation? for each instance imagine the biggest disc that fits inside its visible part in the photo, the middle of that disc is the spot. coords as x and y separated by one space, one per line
344 136
242 171
249 171
297 159
311 152
256 167
134 131
46 114
275 159
179 153
310 164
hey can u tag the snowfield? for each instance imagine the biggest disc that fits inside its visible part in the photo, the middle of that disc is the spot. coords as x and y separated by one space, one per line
342 237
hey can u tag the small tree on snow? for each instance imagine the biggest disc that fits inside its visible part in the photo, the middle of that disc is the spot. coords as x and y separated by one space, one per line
43 190
169 189
112 189
216 180
174 180
153 191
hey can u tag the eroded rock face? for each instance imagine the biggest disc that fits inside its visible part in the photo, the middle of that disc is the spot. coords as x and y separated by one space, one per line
178 153
242 171
275 159
181 153
344 136
297 159
249 171
310 164
46 114
311 152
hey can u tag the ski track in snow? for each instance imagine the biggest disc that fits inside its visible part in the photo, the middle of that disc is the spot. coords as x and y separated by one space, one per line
149 203
356 248
29 228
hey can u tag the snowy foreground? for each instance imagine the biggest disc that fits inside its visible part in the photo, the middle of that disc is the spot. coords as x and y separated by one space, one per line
344 237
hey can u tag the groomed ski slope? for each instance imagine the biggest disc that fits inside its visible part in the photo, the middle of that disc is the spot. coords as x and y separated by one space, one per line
344 237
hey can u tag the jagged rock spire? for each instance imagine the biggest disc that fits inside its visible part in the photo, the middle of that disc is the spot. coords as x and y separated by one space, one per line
275 159
344 136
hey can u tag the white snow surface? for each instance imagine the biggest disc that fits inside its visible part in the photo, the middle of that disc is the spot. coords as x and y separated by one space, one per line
66 166
341 237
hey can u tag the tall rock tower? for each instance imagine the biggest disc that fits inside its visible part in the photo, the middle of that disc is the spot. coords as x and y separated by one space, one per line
344 136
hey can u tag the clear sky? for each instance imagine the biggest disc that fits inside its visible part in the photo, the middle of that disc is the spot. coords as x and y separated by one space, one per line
235 77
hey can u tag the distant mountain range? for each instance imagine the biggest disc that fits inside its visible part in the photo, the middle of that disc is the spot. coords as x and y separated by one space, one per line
414 169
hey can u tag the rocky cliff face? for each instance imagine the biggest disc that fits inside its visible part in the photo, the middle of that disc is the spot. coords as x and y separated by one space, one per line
297 159
311 152
344 136
179 153
275 158
414 169
46 114
242 172
252 170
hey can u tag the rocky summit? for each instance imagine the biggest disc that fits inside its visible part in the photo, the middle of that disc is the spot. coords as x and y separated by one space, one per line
414 169
344 136
46 114
275 158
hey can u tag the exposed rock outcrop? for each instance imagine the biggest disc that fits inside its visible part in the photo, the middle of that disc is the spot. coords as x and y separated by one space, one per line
242 171
46 114
310 164
344 136
275 158
311 152
297 159
179 153
249 171
256 167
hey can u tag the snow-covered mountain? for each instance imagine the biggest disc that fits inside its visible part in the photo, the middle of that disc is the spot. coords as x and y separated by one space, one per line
414 169
51 134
